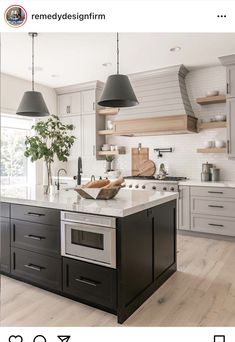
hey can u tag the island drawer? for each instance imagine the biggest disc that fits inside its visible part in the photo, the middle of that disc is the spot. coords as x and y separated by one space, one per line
92 283
213 225
212 192
213 206
36 214
4 209
39 238
39 269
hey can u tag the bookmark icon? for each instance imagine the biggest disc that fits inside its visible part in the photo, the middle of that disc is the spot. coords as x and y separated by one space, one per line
64 338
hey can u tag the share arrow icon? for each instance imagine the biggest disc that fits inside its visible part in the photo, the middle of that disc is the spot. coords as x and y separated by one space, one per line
64 338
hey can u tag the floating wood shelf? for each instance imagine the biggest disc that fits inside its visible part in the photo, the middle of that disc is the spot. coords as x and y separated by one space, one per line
211 99
108 111
213 124
111 153
212 150
106 132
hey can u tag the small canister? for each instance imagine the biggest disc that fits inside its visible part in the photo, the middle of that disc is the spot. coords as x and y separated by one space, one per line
206 167
215 174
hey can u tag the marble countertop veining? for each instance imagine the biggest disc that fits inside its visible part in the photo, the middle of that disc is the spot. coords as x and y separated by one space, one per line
126 202
220 184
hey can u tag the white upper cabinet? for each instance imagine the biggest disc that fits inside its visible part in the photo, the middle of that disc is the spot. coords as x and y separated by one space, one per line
88 101
69 104
76 149
230 73
231 127
89 136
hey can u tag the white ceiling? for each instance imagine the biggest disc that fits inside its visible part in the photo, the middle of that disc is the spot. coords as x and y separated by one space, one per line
78 57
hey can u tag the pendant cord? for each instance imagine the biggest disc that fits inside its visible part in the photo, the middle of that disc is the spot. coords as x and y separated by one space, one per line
32 62
117 53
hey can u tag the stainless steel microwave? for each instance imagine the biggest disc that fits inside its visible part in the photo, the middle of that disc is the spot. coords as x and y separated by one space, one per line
91 238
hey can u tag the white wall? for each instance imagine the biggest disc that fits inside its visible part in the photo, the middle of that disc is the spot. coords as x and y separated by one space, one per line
184 161
12 90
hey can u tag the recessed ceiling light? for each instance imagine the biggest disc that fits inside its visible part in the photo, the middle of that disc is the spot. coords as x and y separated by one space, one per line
36 68
175 49
107 64
55 75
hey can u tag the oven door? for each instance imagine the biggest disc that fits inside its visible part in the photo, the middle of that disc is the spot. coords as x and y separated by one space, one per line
89 243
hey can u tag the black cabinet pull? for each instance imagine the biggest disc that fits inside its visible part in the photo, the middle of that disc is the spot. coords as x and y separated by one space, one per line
34 267
87 281
34 237
215 192
35 214
215 206
216 225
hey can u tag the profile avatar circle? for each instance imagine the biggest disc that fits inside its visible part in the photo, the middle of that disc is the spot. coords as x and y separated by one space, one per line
15 16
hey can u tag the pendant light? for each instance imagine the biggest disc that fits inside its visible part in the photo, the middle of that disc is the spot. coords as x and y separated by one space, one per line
118 91
32 103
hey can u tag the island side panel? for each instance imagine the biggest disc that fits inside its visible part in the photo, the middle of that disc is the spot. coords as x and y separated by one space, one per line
138 251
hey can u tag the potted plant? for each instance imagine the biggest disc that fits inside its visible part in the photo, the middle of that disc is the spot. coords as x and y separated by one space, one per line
52 140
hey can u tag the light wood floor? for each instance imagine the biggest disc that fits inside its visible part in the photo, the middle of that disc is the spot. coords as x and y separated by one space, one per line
201 293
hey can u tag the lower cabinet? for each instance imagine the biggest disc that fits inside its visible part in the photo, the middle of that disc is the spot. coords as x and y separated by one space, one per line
90 283
5 244
184 208
5 237
36 268
164 237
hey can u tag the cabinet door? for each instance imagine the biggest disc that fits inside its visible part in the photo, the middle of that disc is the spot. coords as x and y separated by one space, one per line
76 149
164 237
184 208
231 127
5 244
230 81
88 101
69 104
89 135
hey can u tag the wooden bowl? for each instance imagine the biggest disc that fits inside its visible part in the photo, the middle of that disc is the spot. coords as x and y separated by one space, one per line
104 194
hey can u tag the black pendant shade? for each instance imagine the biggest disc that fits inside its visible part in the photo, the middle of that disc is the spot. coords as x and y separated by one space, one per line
32 104
118 92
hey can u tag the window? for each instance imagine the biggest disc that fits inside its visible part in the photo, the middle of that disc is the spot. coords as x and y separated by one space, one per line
16 169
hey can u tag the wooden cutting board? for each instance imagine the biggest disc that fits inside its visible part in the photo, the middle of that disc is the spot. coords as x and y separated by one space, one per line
138 157
148 168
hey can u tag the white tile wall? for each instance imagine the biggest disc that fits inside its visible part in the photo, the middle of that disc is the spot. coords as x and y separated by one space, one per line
184 161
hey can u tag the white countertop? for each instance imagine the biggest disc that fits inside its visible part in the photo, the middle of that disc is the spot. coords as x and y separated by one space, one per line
220 184
126 202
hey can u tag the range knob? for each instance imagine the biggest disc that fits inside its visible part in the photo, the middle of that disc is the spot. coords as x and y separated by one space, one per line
164 188
143 186
137 186
130 186
172 189
154 187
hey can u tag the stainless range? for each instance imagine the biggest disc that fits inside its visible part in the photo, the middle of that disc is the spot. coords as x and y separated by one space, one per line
153 183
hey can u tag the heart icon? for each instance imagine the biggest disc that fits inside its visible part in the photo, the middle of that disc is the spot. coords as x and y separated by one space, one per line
15 338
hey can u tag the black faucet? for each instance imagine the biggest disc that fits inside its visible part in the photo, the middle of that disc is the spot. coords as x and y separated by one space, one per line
58 178
79 172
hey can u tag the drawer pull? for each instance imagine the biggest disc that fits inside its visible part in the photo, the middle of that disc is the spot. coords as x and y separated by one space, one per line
216 206
34 237
215 192
34 267
87 281
35 214
216 225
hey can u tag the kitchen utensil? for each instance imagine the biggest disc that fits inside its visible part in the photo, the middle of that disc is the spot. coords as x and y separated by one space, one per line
212 93
215 174
219 143
206 167
205 176
147 168
220 117
138 157
93 193
208 144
